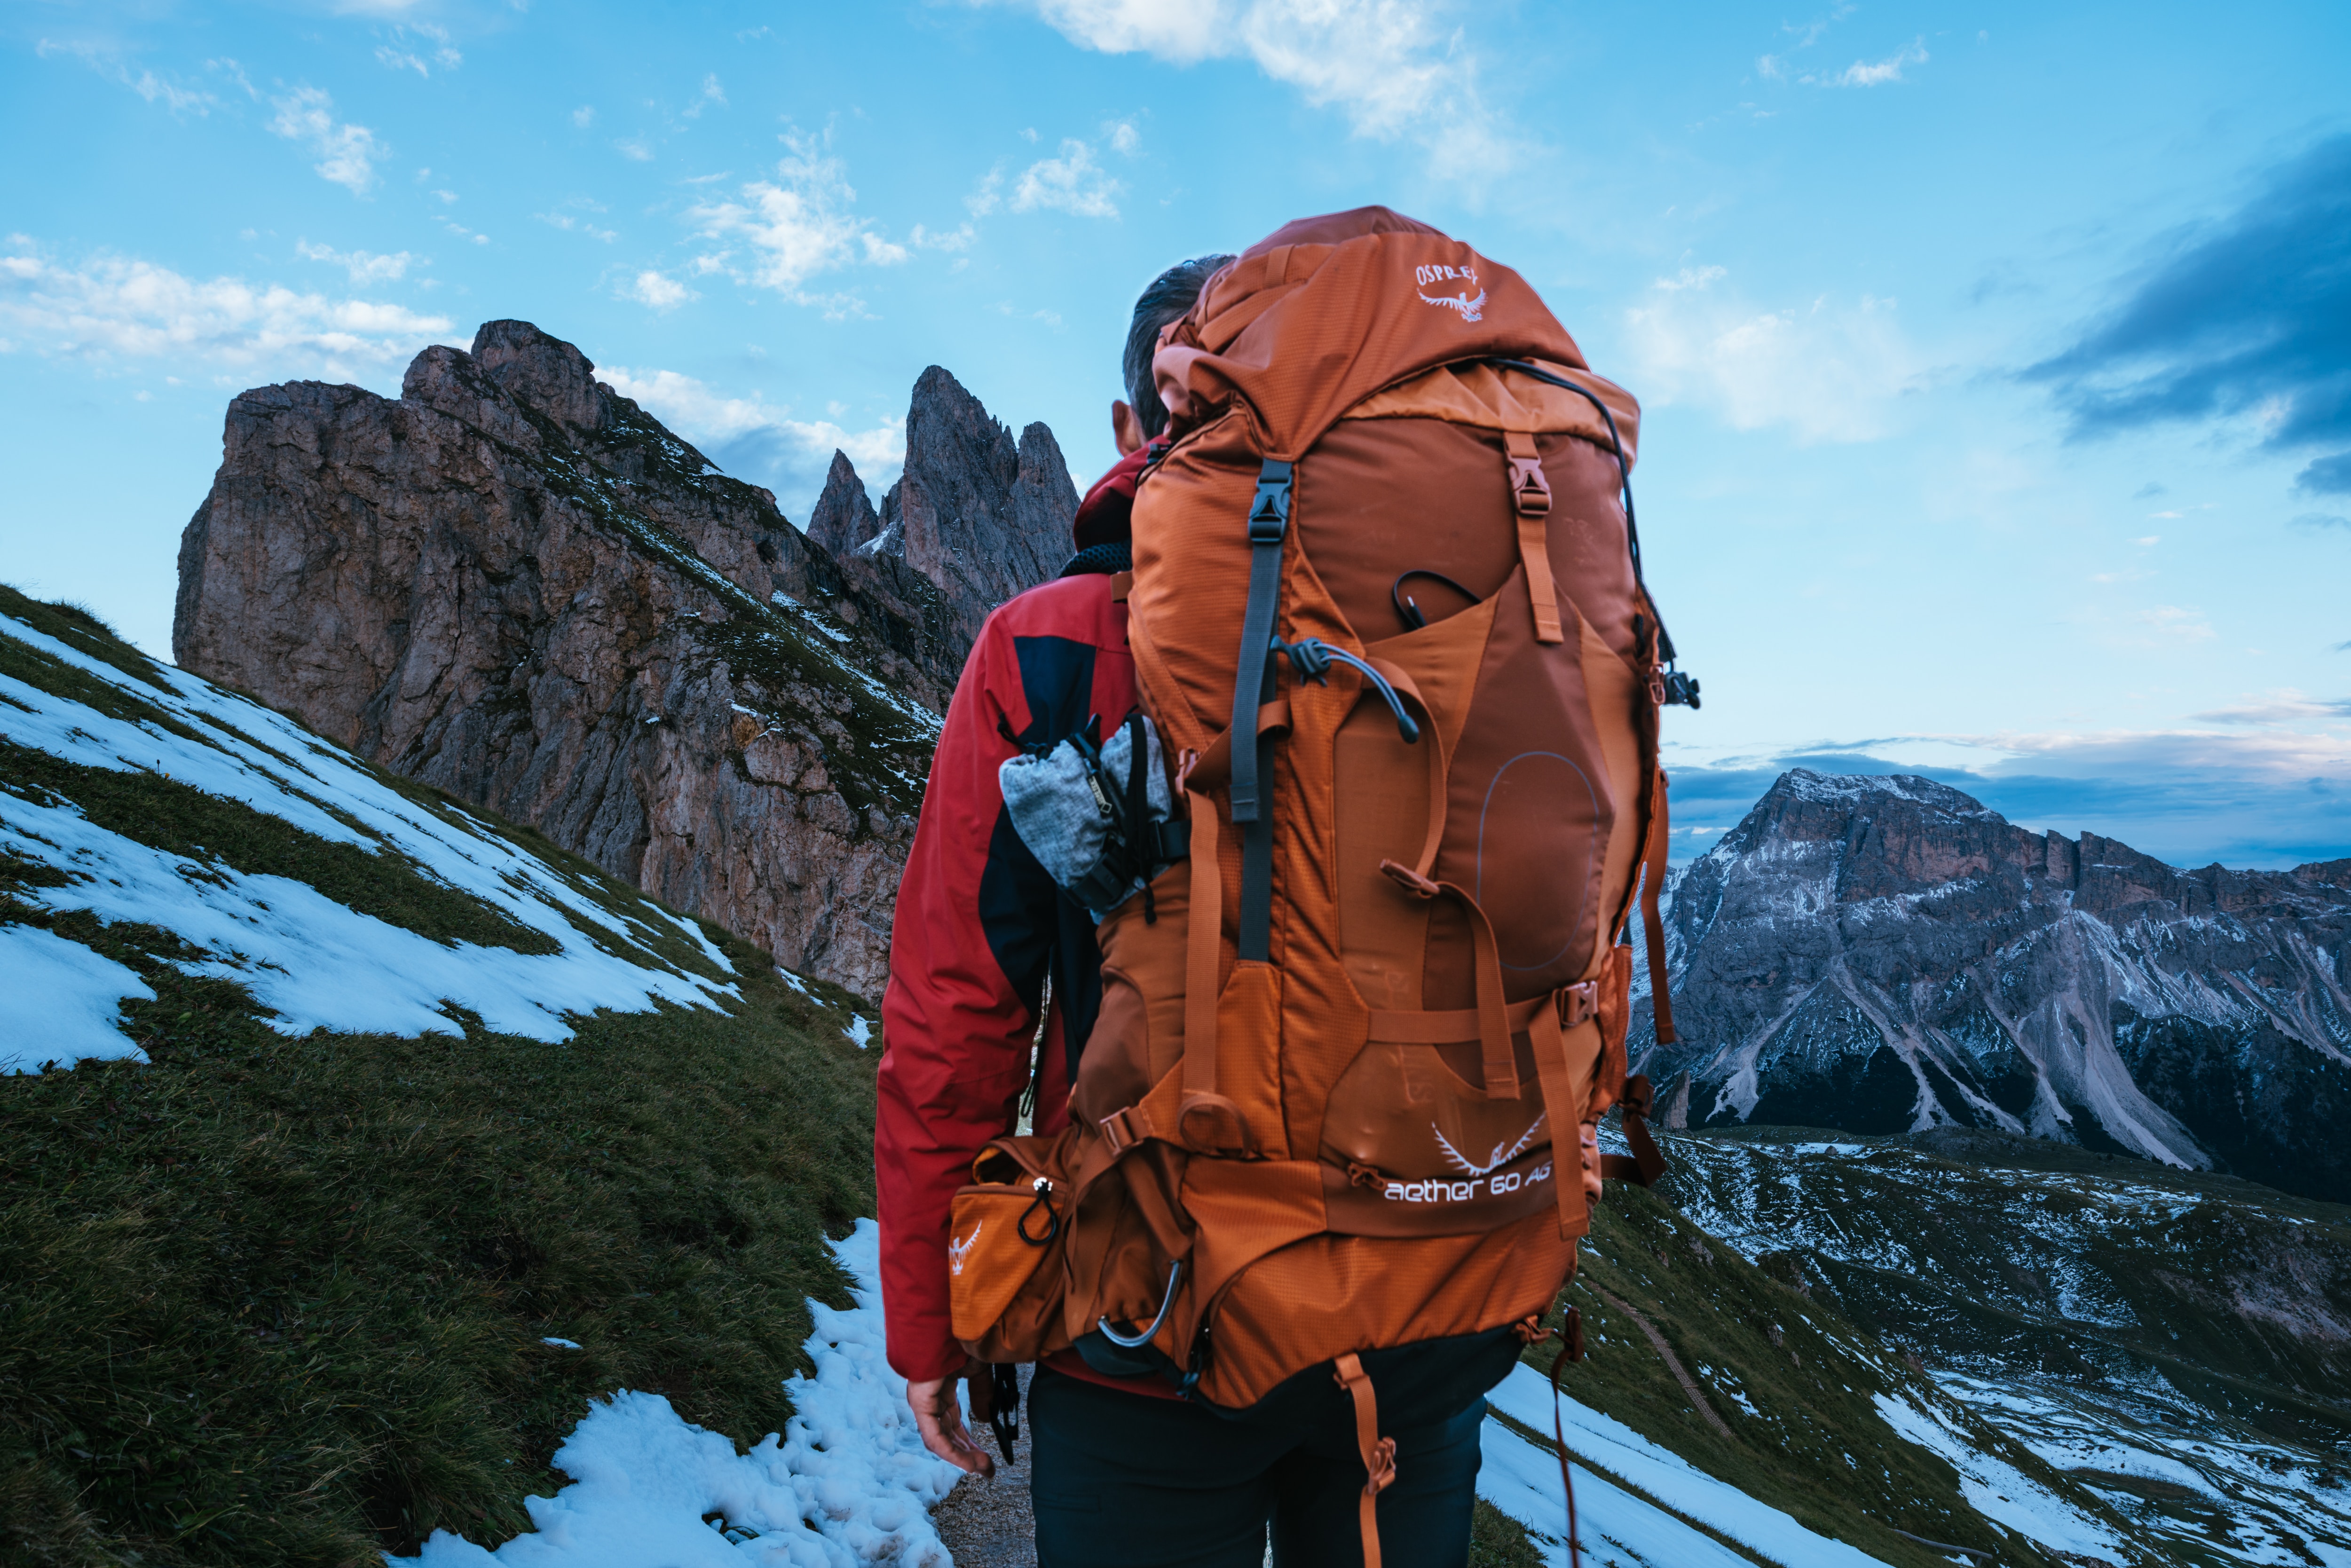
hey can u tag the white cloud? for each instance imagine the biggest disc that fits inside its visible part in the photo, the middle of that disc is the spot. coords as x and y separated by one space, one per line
988 195
365 267
800 225
2283 705
1072 183
1877 73
1394 68
570 225
2174 624
712 93
146 84
347 154
1828 371
750 434
583 117
634 149
112 308
1123 136
664 293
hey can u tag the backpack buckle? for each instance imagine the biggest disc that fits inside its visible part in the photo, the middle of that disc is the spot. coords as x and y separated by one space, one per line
1268 517
1122 1130
1578 1003
1530 486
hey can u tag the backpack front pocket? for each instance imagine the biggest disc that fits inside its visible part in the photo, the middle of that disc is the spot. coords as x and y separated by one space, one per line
1004 1244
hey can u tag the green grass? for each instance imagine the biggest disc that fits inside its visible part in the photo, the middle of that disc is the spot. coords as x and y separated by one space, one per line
1497 1541
280 1301
1816 1447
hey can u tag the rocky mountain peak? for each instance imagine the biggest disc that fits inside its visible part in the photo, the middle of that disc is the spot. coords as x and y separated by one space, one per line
516 584
844 519
543 372
1885 954
975 511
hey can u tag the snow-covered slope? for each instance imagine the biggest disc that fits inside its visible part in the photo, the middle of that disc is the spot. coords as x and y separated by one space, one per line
173 755
2179 1345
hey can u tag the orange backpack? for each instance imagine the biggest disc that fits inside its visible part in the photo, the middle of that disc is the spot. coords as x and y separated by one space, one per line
1387 615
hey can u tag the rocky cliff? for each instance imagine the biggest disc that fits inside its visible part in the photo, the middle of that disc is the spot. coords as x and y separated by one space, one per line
1883 955
514 583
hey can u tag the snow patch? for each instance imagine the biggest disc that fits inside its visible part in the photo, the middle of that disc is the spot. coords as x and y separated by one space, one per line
62 1003
314 962
848 1483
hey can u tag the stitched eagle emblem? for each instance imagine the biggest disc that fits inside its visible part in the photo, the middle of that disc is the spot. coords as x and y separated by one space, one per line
1469 309
1501 1155
957 1251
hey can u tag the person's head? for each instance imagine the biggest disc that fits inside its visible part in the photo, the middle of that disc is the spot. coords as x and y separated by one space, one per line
1139 416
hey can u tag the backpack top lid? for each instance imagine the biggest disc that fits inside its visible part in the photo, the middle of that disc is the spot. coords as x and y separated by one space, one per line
1325 311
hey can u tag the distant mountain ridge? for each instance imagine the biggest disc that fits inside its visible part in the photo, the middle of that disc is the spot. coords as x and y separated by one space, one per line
1885 955
515 584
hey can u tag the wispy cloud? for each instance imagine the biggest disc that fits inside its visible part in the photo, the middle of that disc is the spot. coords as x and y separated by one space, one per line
760 441
1827 371
1072 182
1877 73
1397 69
712 96
110 309
347 154
799 225
2259 792
2240 316
664 293
409 44
365 267
154 88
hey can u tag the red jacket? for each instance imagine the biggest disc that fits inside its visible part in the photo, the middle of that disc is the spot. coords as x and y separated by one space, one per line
979 925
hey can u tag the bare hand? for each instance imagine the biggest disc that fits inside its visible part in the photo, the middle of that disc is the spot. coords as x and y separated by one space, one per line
938 1416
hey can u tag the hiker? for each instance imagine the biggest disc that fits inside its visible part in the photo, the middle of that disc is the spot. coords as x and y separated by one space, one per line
1338 797
979 924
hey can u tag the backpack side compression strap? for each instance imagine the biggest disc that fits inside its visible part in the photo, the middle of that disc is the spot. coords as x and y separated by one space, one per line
1268 522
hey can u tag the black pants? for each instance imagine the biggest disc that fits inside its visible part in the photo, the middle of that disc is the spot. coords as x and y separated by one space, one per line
1121 1481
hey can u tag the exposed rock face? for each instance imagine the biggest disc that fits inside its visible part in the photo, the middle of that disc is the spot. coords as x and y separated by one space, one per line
973 513
1887 955
843 518
515 584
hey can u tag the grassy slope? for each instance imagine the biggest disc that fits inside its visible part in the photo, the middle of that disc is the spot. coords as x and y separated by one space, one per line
273 1300
1816 1447
2174 1282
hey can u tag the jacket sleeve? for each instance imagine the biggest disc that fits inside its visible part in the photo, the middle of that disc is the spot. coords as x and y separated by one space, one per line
956 1026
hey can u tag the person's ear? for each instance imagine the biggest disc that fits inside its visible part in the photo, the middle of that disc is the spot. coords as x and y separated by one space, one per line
1127 428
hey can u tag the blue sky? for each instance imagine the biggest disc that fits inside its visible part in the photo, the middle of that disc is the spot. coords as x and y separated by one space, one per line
1997 363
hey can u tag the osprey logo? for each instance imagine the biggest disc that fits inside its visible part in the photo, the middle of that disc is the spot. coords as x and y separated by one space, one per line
1500 1157
1467 309
958 1250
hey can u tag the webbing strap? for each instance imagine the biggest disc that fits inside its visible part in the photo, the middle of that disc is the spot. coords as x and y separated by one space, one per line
1269 523
1530 497
1378 1453
1552 1069
1647 1163
1440 760
1500 1062
1653 876
1202 937
1571 1348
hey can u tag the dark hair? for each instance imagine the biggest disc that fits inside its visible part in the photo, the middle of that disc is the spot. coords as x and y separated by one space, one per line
1171 294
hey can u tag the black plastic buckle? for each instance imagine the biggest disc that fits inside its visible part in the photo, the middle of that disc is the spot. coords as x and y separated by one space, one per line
1681 688
1268 518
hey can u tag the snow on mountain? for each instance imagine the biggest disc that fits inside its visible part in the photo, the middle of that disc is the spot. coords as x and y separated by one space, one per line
564 947
1883 955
